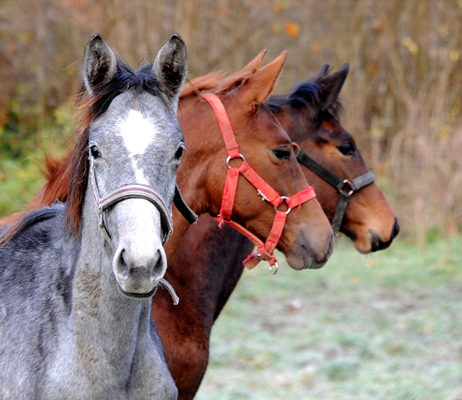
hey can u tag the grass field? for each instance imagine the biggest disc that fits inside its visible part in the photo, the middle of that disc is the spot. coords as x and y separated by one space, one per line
383 326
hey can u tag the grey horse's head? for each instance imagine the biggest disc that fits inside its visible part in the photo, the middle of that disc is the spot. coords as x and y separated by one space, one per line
135 139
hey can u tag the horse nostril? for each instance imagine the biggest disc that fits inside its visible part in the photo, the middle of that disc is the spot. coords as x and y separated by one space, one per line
121 266
158 269
138 269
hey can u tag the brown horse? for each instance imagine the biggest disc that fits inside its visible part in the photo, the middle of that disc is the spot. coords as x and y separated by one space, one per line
211 258
310 114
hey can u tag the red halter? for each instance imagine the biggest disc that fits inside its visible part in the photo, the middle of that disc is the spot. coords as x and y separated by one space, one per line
264 250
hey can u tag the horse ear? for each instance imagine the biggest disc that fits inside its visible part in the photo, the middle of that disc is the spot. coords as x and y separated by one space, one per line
254 65
99 63
322 72
330 86
238 78
259 86
171 67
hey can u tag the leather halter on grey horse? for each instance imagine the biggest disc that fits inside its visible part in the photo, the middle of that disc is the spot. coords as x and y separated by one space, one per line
143 192
127 192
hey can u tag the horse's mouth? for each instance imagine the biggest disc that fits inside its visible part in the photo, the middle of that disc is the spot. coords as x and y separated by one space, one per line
138 295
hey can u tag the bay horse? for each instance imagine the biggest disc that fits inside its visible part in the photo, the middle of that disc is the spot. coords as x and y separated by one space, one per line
212 257
76 280
354 204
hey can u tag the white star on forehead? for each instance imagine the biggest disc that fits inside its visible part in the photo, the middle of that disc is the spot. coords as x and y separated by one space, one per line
137 132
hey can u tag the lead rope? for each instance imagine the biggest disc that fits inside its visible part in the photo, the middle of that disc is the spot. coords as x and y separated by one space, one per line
170 289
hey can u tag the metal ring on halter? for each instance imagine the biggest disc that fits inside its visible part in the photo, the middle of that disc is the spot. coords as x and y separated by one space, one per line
288 210
276 265
351 190
273 271
229 159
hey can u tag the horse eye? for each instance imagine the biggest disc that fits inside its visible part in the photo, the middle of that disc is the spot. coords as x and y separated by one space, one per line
179 152
95 153
347 149
282 153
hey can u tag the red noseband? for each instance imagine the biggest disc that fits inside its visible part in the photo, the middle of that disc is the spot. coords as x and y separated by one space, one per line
265 251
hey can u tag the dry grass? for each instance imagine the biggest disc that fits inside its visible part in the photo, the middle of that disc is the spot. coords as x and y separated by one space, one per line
383 327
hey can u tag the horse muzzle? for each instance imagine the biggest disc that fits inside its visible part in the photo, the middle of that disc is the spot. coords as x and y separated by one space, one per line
138 275
378 244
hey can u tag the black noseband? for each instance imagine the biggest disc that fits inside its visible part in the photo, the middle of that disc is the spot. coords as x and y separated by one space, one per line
344 186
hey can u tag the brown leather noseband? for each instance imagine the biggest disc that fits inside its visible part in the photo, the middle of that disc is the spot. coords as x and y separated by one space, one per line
129 192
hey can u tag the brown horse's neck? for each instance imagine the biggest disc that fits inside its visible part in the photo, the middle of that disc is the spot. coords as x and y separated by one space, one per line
180 228
204 272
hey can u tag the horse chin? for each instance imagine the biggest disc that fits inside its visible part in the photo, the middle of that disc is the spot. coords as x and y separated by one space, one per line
361 239
300 257
363 246
133 295
371 241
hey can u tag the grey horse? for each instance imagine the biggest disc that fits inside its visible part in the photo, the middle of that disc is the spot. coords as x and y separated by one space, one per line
76 280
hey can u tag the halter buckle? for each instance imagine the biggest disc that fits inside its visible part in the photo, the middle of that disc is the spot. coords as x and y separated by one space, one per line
263 197
273 268
101 221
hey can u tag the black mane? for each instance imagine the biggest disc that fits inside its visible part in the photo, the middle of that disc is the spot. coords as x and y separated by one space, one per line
307 94
124 79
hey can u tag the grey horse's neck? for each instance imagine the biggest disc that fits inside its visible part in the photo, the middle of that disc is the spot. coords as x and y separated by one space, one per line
108 329
89 340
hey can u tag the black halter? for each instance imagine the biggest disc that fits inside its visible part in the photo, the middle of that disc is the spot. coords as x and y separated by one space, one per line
183 208
344 186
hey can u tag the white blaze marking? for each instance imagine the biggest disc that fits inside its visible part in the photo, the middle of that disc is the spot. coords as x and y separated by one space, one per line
137 133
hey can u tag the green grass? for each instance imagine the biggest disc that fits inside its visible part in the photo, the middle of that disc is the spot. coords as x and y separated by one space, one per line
383 326
19 181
